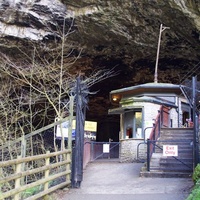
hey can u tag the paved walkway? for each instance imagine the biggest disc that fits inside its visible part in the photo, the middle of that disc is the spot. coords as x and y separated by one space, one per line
121 181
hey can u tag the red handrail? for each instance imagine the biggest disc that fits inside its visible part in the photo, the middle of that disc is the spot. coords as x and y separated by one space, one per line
162 119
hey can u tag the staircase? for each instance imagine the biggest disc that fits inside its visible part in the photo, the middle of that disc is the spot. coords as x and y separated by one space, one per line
170 166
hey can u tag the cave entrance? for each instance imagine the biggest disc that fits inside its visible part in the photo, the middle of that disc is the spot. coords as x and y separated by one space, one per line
108 130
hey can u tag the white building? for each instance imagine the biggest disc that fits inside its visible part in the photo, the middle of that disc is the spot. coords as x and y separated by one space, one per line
143 107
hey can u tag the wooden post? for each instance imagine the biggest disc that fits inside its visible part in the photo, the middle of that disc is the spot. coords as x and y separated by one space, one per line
23 155
46 185
68 177
17 181
1 176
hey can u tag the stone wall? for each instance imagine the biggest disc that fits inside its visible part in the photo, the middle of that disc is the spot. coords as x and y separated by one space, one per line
174 117
129 150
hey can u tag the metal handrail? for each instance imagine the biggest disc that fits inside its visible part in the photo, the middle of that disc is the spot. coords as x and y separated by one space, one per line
138 158
145 132
144 142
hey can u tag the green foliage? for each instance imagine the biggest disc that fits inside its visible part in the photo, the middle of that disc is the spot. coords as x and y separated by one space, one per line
32 191
196 174
195 194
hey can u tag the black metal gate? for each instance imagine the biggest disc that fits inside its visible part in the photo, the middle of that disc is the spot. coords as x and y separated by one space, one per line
190 89
104 150
183 162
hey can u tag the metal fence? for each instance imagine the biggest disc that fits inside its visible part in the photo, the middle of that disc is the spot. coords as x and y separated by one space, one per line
104 150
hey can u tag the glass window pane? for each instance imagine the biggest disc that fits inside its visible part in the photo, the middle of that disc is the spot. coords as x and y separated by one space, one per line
138 124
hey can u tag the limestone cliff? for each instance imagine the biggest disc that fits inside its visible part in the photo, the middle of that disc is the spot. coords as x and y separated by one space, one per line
126 30
109 33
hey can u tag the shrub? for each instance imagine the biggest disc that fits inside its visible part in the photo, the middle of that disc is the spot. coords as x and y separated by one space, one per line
196 174
195 194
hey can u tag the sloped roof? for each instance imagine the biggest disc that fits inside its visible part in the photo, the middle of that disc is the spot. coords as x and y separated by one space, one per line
155 100
149 88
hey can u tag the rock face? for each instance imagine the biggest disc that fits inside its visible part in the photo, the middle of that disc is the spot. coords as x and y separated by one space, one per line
124 32
110 33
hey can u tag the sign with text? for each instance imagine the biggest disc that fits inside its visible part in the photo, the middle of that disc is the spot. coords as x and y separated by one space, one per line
90 129
89 126
170 150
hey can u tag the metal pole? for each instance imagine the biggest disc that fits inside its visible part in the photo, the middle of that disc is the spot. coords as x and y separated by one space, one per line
81 93
158 51
71 110
148 155
195 138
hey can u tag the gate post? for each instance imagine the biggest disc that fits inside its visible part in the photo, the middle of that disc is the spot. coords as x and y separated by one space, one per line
92 151
195 137
148 155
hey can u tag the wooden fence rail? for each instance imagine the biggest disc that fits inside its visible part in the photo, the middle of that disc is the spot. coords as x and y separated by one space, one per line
19 186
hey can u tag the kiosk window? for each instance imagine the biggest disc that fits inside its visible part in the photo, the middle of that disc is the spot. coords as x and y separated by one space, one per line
133 124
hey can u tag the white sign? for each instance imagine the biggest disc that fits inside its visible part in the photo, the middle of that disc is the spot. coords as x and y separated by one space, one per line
62 129
106 148
170 150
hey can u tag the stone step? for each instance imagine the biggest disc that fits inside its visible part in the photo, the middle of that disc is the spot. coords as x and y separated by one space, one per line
176 163
180 146
159 174
174 130
177 129
189 134
182 155
160 145
176 133
172 169
181 150
162 166
172 159
175 140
